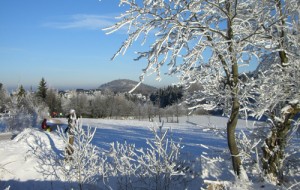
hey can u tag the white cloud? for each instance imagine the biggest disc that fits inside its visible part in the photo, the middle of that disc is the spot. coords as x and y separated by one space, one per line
83 21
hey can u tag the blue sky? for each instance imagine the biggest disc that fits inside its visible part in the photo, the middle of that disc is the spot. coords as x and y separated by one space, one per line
63 41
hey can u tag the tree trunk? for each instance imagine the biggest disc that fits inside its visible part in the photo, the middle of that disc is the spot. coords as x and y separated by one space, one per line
273 153
233 83
275 144
231 126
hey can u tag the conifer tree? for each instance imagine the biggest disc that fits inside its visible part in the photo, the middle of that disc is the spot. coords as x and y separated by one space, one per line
21 92
42 90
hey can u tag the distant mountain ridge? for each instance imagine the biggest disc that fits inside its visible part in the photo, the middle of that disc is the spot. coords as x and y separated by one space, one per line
125 85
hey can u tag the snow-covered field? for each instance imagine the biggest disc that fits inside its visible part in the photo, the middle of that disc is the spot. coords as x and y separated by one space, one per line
24 163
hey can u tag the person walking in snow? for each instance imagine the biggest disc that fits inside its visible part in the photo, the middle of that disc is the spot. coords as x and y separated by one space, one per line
72 121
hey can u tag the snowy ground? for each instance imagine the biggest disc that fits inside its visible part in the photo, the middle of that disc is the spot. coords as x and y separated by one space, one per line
23 164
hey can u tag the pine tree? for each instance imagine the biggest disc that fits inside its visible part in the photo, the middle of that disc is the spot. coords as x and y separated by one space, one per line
21 92
42 90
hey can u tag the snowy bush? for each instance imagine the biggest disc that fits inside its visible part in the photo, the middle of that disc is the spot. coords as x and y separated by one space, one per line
215 171
83 167
19 117
249 152
251 145
123 164
25 111
160 163
159 166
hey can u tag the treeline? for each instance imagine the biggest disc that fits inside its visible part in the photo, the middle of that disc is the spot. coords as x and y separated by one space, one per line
124 105
47 102
167 96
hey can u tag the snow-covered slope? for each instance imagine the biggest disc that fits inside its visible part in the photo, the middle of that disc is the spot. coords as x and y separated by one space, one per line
31 160
24 163
21 159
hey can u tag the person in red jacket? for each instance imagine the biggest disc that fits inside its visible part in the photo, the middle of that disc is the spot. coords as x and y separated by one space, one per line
45 126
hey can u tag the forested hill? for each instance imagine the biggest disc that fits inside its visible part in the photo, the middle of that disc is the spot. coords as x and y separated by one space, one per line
125 85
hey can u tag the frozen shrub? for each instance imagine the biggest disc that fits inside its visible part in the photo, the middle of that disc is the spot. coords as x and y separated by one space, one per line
156 167
83 165
24 112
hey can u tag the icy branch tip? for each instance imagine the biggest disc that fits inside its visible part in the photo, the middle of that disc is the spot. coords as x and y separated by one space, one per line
135 87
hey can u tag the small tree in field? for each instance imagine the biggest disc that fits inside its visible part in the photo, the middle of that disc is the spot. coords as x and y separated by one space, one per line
83 167
205 42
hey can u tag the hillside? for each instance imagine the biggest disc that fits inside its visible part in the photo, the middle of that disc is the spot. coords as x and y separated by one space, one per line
125 85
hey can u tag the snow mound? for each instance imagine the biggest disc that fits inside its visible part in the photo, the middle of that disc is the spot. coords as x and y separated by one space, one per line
23 158
34 139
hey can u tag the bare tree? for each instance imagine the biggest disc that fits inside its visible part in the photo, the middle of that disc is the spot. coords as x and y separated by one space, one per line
79 102
206 42
53 101
98 108
275 87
